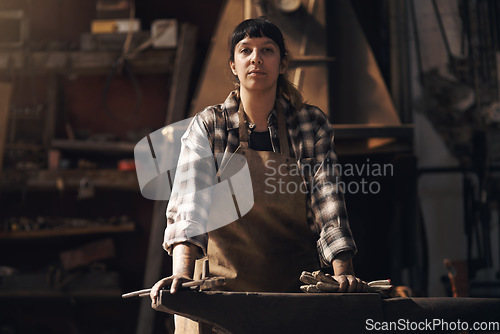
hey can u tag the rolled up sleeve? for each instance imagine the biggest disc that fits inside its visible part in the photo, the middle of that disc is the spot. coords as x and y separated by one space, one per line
189 205
328 210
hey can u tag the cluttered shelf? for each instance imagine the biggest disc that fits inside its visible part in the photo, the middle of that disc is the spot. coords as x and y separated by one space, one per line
64 281
101 147
87 62
61 179
68 231
98 293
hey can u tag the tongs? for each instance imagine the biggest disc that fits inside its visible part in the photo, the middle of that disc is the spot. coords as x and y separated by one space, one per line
202 284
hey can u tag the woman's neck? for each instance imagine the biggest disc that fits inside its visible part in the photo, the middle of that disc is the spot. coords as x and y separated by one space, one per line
258 106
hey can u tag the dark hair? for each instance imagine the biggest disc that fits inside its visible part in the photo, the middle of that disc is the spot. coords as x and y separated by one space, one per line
262 27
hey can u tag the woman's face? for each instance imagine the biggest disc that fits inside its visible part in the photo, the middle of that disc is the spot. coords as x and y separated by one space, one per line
257 63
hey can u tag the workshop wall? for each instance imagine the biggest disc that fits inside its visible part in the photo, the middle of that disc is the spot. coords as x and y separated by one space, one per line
59 24
441 194
55 23
55 199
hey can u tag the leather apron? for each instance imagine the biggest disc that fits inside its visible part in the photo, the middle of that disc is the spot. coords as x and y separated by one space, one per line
267 249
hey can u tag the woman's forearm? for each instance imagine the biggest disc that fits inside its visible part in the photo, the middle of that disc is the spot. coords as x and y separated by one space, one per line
342 264
183 259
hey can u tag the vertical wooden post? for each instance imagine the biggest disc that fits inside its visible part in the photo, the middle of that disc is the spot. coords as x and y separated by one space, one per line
177 109
184 59
50 120
5 94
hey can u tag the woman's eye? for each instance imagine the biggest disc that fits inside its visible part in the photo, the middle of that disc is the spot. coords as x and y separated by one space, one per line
268 50
245 51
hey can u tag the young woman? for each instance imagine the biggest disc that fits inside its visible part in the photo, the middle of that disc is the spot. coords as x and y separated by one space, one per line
286 231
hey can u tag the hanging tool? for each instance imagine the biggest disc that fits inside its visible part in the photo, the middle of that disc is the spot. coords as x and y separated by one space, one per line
460 65
122 65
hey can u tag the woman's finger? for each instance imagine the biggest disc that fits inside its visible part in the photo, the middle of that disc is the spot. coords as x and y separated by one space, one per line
353 283
343 283
155 290
175 285
362 286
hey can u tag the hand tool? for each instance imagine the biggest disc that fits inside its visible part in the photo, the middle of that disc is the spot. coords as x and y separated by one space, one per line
202 284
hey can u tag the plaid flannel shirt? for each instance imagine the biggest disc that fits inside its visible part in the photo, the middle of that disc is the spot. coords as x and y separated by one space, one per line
215 130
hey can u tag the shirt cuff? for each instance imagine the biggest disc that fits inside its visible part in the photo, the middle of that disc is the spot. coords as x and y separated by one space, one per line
333 241
186 231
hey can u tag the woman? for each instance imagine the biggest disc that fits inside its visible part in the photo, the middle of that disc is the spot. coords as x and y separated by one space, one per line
285 232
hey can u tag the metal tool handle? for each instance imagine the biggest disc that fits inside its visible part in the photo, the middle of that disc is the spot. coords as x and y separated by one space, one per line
206 282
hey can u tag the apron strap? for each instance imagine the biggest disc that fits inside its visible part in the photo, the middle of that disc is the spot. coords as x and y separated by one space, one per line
284 148
242 127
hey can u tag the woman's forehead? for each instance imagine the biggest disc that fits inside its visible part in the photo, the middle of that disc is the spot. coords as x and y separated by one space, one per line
257 41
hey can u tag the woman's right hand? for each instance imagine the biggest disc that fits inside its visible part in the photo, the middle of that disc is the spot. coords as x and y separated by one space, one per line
183 258
173 281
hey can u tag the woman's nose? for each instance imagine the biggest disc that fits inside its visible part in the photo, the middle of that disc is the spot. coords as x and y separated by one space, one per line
256 58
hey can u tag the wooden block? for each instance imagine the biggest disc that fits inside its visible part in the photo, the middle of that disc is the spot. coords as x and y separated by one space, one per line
83 256
110 9
114 26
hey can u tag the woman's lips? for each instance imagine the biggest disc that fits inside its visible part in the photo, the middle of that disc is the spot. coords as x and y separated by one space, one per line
256 73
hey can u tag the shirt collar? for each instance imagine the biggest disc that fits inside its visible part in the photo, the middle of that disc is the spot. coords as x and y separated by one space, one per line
231 104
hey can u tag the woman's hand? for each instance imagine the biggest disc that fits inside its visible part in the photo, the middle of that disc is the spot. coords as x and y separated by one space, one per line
173 281
344 274
183 258
350 283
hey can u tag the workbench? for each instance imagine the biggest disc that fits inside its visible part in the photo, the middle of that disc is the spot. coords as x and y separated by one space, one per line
242 313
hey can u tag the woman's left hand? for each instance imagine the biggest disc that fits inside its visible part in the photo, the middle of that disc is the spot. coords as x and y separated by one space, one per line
344 274
350 283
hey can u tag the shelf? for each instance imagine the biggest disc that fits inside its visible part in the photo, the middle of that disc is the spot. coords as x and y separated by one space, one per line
93 146
361 148
310 61
104 293
69 179
66 232
87 62
29 147
358 131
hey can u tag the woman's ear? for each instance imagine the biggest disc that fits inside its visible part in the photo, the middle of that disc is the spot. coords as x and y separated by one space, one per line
283 66
233 67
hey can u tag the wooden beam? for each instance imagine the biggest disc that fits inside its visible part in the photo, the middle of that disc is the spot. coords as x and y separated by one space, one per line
177 110
177 104
5 94
145 324
50 119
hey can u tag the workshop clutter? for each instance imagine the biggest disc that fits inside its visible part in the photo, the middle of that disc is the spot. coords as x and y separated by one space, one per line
79 270
62 224
80 90
116 25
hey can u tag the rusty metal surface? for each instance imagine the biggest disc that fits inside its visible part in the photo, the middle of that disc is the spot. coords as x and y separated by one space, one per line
317 313
276 312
